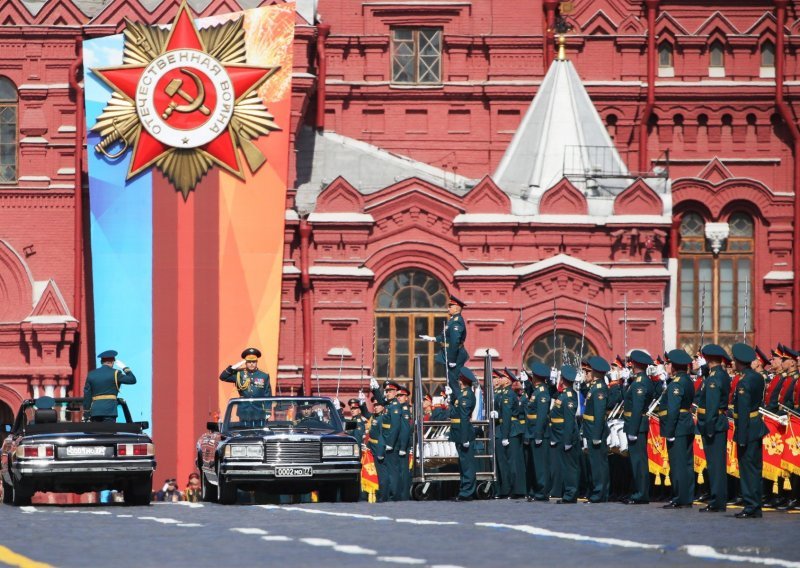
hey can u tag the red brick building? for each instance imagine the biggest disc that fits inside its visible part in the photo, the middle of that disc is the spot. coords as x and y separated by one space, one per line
646 182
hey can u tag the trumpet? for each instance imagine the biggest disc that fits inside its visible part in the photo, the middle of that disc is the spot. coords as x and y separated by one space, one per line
788 410
782 420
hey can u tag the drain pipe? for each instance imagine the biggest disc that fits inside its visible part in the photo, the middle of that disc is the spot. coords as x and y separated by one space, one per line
75 69
305 300
323 31
651 6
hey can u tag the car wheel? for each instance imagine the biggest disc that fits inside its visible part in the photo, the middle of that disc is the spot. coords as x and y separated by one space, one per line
20 496
328 493
138 492
350 492
226 491
7 492
209 491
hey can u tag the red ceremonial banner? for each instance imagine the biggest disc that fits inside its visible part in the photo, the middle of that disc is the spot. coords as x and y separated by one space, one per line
732 454
369 475
773 449
657 458
790 459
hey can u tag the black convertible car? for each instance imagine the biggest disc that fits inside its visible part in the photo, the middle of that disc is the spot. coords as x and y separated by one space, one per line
45 450
279 445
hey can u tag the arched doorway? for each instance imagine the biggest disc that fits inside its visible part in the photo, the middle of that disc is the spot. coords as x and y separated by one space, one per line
561 348
410 303
6 414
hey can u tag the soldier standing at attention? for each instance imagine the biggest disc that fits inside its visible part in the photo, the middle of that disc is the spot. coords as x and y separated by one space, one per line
406 431
712 425
391 439
638 396
595 430
677 427
564 435
538 434
102 387
250 382
378 449
462 434
501 414
750 430
452 340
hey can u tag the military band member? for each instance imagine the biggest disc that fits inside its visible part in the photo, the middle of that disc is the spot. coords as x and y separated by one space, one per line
775 384
102 387
452 341
749 430
712 425
462 434
638 396
677 427
405 441
564 435
595 430
538 434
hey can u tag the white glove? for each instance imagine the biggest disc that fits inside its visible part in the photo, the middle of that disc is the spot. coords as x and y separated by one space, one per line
389 448
373 384
596 443
505 442
361 396
447 390
567 447
336 403
553 444
452 364
632 438
427 338
120 364
670 439
465 445
538 442
402 453
494 414
239 365
523 376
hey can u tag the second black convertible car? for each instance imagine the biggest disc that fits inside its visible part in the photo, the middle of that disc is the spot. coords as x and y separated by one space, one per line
279 445
47 451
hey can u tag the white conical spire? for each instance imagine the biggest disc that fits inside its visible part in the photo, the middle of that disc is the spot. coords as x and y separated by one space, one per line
561 135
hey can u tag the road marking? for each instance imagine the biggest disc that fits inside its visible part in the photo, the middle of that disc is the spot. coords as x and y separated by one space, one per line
401 559
28 509
189 504
276 538
118 516
95 512
161 520
331 513
189 525
446 566
318 541
425 522
353 549
249 530
703 551
11 558
537 531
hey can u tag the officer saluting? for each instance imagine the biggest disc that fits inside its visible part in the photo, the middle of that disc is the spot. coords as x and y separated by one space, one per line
102 387
750 430
250 382
677 427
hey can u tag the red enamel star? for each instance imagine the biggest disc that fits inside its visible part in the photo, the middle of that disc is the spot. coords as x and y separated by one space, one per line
222 149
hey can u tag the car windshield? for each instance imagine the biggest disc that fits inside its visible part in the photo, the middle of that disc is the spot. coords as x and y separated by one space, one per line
285 413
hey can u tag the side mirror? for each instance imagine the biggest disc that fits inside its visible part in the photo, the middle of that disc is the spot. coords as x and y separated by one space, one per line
212 426
144 424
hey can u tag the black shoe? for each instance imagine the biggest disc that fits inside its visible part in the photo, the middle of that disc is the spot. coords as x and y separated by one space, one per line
529 498
500 497
737 501
749 515
460 498
515 497
563 502
704 498
710 509
545 499
779 503
672 506
635 502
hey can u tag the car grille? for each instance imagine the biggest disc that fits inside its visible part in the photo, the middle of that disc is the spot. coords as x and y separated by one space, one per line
293 452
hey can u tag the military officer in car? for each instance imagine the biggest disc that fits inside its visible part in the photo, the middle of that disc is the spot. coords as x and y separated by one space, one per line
251 382
102 387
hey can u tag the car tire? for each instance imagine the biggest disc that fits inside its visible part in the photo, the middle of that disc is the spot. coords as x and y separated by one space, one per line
20 495
328 493
226 491
138 493
7 492
209 491
350 492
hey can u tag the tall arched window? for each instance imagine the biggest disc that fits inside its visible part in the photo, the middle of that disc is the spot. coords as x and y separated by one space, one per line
716 57
561 348
716 291
8 131
665 54
409 304
767 54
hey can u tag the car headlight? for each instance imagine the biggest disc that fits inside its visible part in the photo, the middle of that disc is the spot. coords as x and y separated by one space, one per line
339 451
251 451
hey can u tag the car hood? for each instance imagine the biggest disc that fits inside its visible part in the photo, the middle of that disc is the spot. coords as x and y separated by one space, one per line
296 434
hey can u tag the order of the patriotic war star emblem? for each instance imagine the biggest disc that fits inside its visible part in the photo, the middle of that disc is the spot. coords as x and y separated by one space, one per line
184 99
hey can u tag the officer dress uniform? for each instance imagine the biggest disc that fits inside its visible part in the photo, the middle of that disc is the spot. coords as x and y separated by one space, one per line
253 384
538 435
452 341
462 433
595 431
360 422
405 441
677 427
749 433
504 407
516 453
712 425
564 436
638 396
378 449
390 430
102 387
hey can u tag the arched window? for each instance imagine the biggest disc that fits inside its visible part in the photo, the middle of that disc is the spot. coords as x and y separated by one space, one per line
409 304
8 131
716 291
767 54
561 348
665 54
716 55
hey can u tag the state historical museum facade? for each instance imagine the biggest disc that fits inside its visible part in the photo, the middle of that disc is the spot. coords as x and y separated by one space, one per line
639 194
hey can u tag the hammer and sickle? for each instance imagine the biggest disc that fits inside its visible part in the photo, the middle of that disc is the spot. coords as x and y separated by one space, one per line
194 103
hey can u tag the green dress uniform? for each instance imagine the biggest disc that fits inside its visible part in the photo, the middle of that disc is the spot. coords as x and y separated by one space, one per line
405 441
638 396
360 429
677 427
453 352
564 437
391 440
101 390
516 453
503 404
538 436
595 430
712 425
749 434
250 385
462 434
378 449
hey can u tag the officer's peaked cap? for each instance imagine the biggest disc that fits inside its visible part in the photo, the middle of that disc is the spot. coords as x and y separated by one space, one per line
540 370
353 402
714 350
569 373
599 364
251 354
639 356
467 376
110 354
743 353
679 357
456 301
391 385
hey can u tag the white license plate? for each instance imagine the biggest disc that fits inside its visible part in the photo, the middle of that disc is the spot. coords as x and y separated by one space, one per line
83 451
304 471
